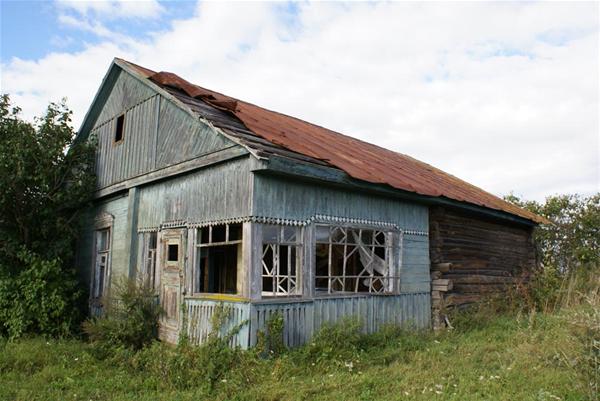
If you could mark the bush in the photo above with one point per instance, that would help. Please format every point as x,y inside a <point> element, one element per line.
<point>42,298</point>
<point>188,365</point>
<point>270,342</point>
<point>130,318</point>
<point>44,193</point>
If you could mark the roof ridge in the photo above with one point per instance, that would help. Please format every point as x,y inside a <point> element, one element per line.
<point>358,158</point>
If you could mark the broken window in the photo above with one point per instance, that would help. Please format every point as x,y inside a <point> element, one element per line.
<point>219,250</point>
<point>149,259</point>
<point>101,265</point>
<point>352,260</point>
<point>281,260</point>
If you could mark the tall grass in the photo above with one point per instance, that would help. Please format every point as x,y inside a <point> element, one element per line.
<point>517,350</point>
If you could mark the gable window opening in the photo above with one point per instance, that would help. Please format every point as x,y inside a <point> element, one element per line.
<point>353,260</point>
<point>101,266</point>
<point>219,251</point>
<point>120,129</point>
<point>281,260</point>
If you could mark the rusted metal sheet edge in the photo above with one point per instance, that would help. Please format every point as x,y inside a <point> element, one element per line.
<point>219,156</point>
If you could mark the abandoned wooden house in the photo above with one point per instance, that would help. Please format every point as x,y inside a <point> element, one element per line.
<point>214,200</point>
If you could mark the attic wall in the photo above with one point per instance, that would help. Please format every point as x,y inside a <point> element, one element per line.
<point>486,255</point>
<point>219,192</point>
<point>289,199</point>
<point>157,133</point>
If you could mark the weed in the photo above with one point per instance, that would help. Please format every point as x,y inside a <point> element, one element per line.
<point>130,319</point>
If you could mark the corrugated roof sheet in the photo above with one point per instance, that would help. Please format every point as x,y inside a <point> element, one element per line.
<point>359,159</point>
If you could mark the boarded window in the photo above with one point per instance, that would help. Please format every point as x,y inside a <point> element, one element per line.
<point>101,264</point>
<point>219,255</point>
<point>120,129</point>
<point>281,260</point>
<point>353,260</point>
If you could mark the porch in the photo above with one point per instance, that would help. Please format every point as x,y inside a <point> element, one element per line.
<point>303,318</point>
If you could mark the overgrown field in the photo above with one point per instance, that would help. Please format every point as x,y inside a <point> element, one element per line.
<point>534,356</point>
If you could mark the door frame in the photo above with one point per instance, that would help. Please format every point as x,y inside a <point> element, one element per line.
<point>169,329</point>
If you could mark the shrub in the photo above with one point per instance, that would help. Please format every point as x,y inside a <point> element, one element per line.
<point>42,298</point>
<point>188,365</point>
<point>130,318</point>
<point>270,342</point>
<point>44,193</point>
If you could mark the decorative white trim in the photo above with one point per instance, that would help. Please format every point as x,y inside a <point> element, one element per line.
<point>416,233</point>
<point>147,230</point>
<point>319,218</point>
<point>173,224</point>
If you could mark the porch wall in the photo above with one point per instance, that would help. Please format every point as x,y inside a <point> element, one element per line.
<point>302,319</point>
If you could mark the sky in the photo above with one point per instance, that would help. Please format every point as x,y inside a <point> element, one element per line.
<point>504,95</point>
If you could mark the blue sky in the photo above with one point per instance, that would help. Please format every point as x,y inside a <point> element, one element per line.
<point>36,25</point>
<point>502,94</point>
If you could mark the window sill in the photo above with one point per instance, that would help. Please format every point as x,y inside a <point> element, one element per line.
<point>217,297</point>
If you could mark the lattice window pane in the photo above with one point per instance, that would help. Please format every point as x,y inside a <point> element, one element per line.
<point>353,259</point>
<point>281,260</point>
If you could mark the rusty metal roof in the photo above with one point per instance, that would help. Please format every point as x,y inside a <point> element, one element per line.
<point>359,159</point>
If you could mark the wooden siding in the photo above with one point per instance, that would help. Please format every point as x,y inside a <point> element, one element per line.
<point>485,254</point>
<point>135,155</point>
<point>301,320</point>
<point>126,92</point>
<point>222,191</point>
<point>414,274</point>
<point>157,134</point>
<point>289,199</point>
<point>119,254</point>
<point>180,137</point>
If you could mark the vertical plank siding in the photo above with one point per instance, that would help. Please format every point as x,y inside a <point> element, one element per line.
<point>302,319</point>
<point>291,199</point>
<point>181,137</point>
<point>156,134</point>
<point>219,192</point>
<point>119,246</point>
<point>199,314</point>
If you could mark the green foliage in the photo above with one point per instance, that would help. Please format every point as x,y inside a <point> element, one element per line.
<point>189,366</point>
<point>39,298</point>
<point>130,319</point>
<point>337,343</point>
<point>270,342</point>
<point>573,240</point>
<point>533,357</point>
<point>45,178</point>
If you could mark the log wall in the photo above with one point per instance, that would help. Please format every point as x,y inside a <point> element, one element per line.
<point>473,257</point>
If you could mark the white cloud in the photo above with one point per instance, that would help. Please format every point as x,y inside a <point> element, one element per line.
<point>113,9</point>
<point>504,95</point>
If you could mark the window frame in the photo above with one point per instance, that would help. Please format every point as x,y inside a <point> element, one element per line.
<point>392,245</point>
<point>149,256</point>
<point>199,245</point>
<point>120,117</point>
<point>281,240</point>
<point>103,224</point>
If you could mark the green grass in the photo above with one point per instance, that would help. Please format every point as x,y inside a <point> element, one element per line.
<point>528,357</point>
